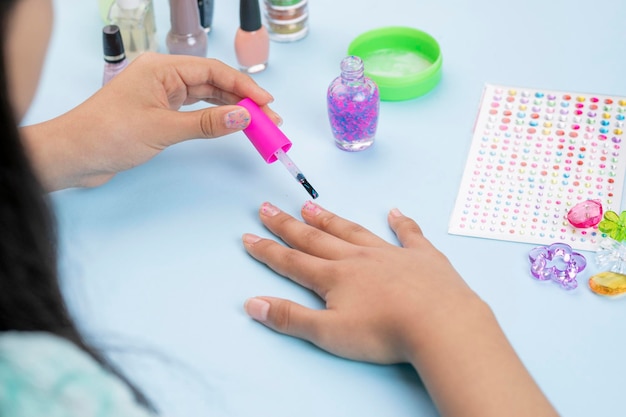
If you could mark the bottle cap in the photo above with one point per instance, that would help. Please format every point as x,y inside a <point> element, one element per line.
<point>112,44</point>
<point>404,62</point>
<point>205,7</point>
<point>249,15</point>
<point>128,4</point>
<point>266,137</point>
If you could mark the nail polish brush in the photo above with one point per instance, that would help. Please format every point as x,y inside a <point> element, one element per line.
<point>271,142</point>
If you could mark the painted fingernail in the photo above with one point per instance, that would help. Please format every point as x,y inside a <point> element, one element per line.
<point>395,212</point>
<point>237,119</point>
<point>269,210</point>
<point>250,238</point>
<point>257,308</point>
<point>312,208</point>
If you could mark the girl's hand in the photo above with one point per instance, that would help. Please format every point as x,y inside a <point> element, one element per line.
<point>135,116</point>
<point>381,299</point>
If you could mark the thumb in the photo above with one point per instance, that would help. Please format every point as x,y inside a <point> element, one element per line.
<point>284,316</point>
<point>211,122</point>
<point>222,120</point>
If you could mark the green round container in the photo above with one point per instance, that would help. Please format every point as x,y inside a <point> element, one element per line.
<point>404,62</point>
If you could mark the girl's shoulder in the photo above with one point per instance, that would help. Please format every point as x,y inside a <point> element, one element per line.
<point>45,375</point>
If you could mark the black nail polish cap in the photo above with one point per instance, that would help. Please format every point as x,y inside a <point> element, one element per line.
<point>249,15</point>
<point>112,44</point>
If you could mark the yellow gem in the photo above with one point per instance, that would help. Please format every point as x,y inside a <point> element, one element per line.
<point>608,283</point>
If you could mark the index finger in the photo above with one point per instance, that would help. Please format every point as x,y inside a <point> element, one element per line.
<point>304,237</point>
<point>210,79</point>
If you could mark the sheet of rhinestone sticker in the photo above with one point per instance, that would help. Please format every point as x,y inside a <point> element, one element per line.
<point>534,155</point>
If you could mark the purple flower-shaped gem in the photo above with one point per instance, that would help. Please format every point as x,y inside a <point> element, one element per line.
<point>557,262</point>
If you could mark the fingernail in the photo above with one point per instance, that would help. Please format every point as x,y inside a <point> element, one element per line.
<point>395,212</point>
<point>257,308</point>
<point>269,210</point>
<point>311,208</point>
<point>237,119</point>
<point>250,238</point>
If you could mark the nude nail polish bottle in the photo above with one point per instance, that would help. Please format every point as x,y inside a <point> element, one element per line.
<point>252,41</point>
<point>186,36</point>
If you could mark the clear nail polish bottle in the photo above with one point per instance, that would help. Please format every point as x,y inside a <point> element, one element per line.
<point>353,104</point>
<point>252,42</point>
<point>103,7</point>
<point>135,18</point>
<point>114,57</point>
<point>186,36</point>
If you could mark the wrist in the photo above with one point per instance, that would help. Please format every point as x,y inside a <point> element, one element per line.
<point>462,354</point>
<point>447,328</point>
<point>58,160</point>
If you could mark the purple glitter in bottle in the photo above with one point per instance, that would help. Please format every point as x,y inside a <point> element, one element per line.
<point>353,103</point>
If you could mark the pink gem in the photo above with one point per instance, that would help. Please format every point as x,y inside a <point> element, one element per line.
<point>585,214</point>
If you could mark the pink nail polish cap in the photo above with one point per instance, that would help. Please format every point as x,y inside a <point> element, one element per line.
<point>266,137</point>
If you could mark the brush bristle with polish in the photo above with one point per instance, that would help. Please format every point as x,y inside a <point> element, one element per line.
<point>307,186</point>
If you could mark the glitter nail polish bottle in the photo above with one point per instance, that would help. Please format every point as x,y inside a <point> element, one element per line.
<point>286,20</point>
<point>353,104</point>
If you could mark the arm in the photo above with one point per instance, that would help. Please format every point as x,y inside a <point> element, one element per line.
<point>388,304</point>
<point>135,116</point>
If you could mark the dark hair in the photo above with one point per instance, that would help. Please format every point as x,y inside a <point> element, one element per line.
<point>30,296</point>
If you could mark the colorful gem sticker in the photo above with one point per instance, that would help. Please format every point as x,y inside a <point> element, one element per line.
<point>535,155</point>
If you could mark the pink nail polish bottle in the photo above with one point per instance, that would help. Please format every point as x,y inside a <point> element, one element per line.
<point>252,41</point>
<point>114,57</point>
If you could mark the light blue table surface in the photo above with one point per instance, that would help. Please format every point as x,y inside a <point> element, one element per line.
<point>152,262</point>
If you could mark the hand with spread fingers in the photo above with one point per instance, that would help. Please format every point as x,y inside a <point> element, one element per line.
<point>390,304</point>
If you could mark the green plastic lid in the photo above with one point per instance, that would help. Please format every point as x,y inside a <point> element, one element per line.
<point>404,62</point>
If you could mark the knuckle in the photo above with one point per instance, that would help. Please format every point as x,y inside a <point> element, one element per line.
<point>355,229</point>
<point>411,226</point>
<point>290,258</point>
<point>337,269</point>
<point>312,235</point>
<point>327,221</point>
<point>334,222</point>
<point>207,124</point>
<point>281,316</point>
